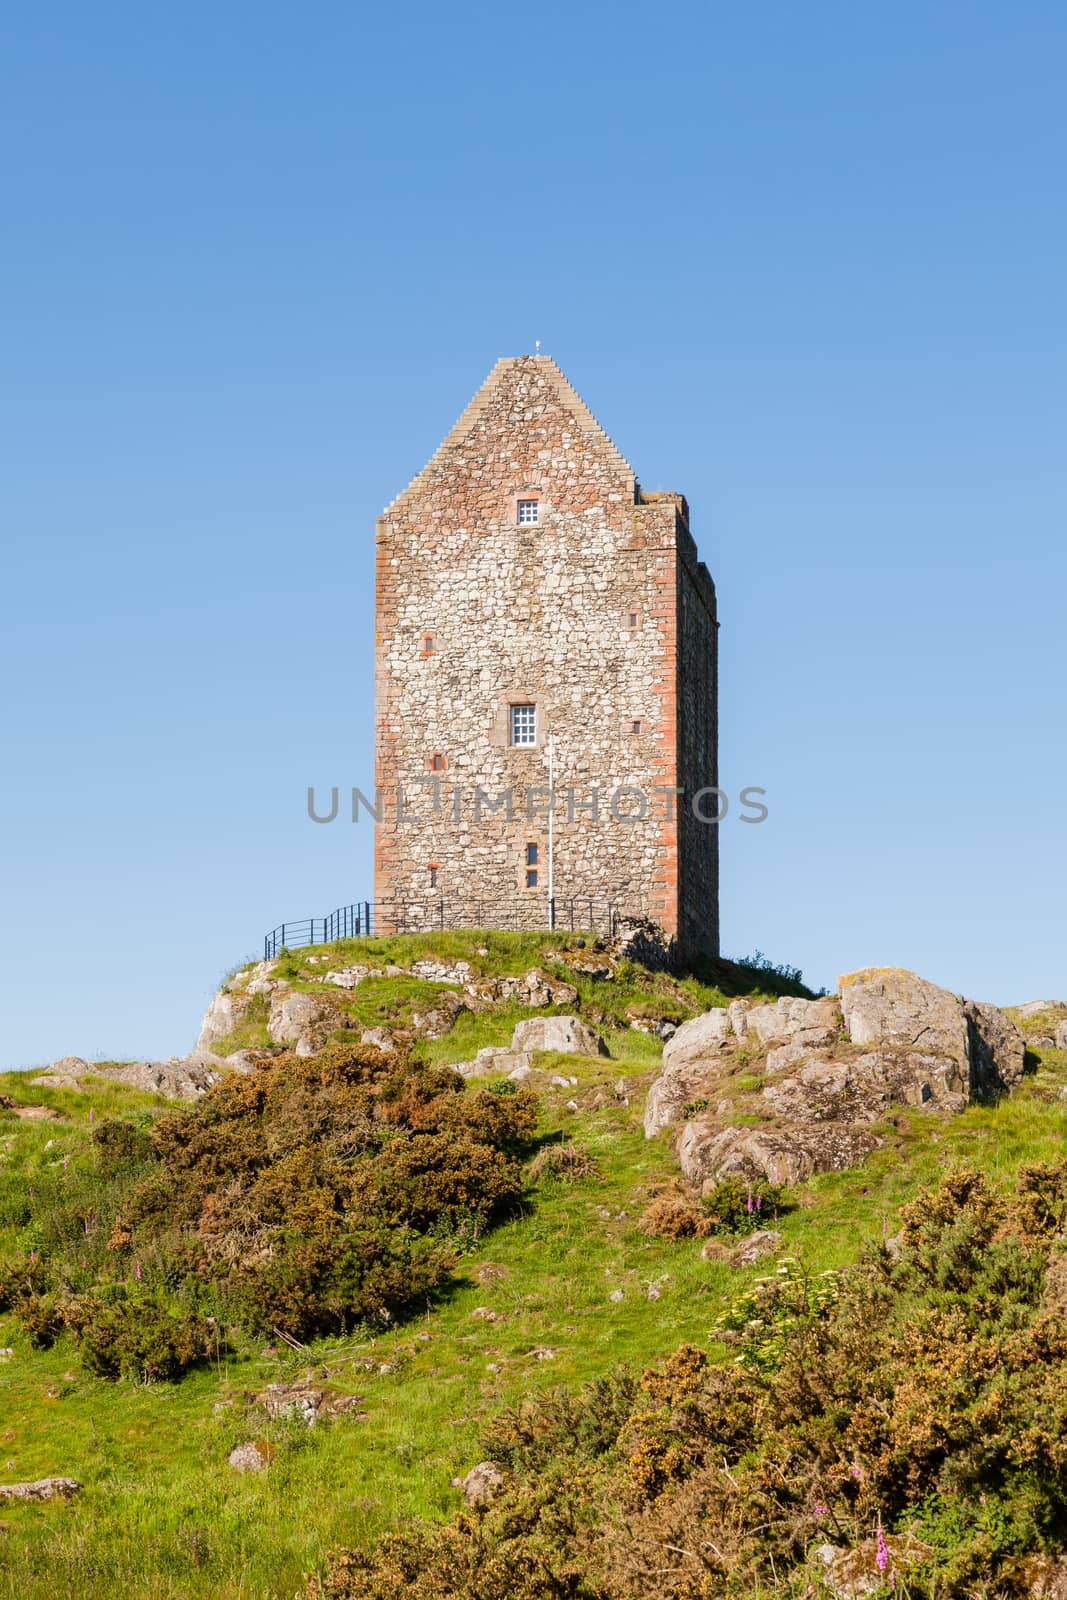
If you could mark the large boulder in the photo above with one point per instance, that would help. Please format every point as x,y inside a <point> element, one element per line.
<point>481,1482</point>
<point>791,1153</point>
<point>568,1035</point>
<point>891,1004</point>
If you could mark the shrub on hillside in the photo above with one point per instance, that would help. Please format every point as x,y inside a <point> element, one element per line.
<point>310,1196</point>
<point>137,1339</point>
<point>566,1163</point>
<point>121,1146</point>
<point>732,1206</point>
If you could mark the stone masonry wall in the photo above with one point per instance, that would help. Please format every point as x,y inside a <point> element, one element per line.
<point>591,616</point>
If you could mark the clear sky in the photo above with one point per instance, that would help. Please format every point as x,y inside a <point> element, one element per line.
<point>804,261</point>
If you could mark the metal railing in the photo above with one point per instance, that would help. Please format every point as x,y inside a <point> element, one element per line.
<point>347,922</point>
<point>433,914</point>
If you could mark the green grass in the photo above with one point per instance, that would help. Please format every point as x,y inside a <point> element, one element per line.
<point>162,1514</point>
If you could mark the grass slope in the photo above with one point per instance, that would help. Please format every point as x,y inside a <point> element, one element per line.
<point>162,1514</point>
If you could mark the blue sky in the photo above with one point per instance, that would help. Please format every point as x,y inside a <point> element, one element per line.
<point>804,262</point>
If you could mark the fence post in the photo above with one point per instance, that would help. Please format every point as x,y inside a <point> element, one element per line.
<point>552,913</point>
<point>366,918</point>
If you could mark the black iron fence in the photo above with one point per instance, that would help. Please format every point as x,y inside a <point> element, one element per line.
<point>432,914</point>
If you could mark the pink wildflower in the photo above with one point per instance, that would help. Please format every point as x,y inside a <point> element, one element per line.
<point>750,1202</point>
<point>881,1556</point>
<point>137,1271</point>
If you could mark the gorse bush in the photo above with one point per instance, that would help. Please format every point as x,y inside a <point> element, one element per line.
<point>313,1195</point>
<point>915,1405</point>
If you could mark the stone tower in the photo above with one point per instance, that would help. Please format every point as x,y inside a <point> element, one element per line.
<point>537,609</point>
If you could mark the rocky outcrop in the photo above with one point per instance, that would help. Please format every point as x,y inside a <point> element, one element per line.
<point>498,1061</point>
<point>305,1402</point>
<point>222,1017</point>
<point>566,1035</point>
<point>41,1489</point>
<point>300,1020</point>
<point>787,1090</point>
<point>181,1078</point>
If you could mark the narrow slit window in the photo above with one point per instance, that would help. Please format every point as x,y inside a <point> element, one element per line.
<point>524,725</point>
<point>437,763</point>
<point>433,877</point>
<point>531,877</point>
<point>633,619</point>
<point>635,726</point>
<point>527,513</point>
<point>532,855</point>
<point>429,644</point>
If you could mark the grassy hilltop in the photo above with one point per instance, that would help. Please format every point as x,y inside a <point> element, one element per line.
<point>439,1256</point>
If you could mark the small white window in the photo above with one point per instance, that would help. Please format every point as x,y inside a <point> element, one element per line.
<point>527,512</point>
<point>524,725</point>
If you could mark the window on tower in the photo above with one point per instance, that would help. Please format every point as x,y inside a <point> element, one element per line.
<point>527,513</point>
<point>524,725</point>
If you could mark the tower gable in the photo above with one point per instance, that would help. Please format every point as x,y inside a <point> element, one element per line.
<point>525,401</point>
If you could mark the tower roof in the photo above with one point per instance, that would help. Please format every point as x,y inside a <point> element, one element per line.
<point>508,381</point>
